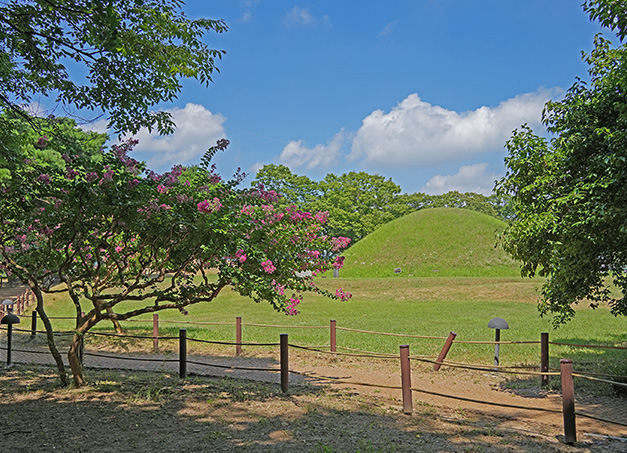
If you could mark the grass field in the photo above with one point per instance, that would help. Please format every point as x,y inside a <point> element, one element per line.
<point>441,242</point>
<point>413,306</point>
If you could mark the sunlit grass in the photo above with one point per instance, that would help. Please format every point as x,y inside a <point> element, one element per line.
<point>411,306</point>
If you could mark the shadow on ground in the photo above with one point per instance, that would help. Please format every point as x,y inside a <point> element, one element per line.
<point>123,411</point>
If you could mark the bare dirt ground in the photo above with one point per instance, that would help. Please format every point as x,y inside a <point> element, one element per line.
<point>124,410</point>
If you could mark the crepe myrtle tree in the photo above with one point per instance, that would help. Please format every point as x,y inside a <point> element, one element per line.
<point>106,231</point>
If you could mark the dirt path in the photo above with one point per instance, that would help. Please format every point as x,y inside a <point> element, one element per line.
<point>482,386</point>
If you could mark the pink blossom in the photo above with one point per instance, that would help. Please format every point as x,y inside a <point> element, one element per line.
<point>339,262</point>
<point>161,188</point>
<point>207,207</point>
<point>342,295</point>
<point>240,255</point>
<point>118,249</point>
<point>268,266</point>
<point>280,289</point>
<point>91,176</point>
<point>322,216</point>
<point>247,210</point>
<point>291,310</point>
<point>339,243</point>
<point>106,178</point>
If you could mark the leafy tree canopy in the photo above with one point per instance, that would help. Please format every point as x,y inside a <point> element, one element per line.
<point>110,231</point>
<point>121,57</point>
<point>569,193</point>
<point>358,202</point>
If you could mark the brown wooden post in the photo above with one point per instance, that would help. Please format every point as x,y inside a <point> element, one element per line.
<point>284,363</point>
<point>18,305</point>
<point>544,358</point>
<point>333,336</point>
<point>568,401</point>
<point>155,332</point>
<point>447,345</point>
<point>238,335</point>
<point>183,353</point>
<point>406,379</point>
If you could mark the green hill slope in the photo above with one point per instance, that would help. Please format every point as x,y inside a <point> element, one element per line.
<point>443,242</point>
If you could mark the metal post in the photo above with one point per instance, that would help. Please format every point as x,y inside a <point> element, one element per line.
<point>406,379</point>
<point>284,363</point>
<point>497,338</point>
<point>447,345</point>
<point>544,358</point>
<point>183,353</point>
<point>9,341</point>
<point>33,324</point>
<point>333,336</point>
<point>155,332</point>
<point>568,401</point>
<point>238,335</point>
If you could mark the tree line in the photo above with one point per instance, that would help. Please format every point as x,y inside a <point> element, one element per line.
<point>359,202</point>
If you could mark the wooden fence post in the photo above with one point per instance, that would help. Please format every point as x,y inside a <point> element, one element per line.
<point>447,345</point>
<point>238,335</point>
<point>284,363</point>
<point>544,358</point>
<point>406,379</point>
<point>183,353</point>
<point>333,336</point>
<point>33,324</point>
<point>568,401</point>
<point>155,332</point>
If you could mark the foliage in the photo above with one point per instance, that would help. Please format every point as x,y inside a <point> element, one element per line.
<point>569,193</point>
<point>358,203</point>
<point>111,232</point>
<point>119,57</point>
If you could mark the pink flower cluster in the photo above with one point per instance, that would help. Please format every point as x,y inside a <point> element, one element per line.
<point>338,263</point>
<point>342,295</point>
<point>280,289</point>
<point>291,310</point>
<point>322,216</point>
<point>207,207</point>
<point>339,243</point>
<point>268,266</point>
<point>240,256</point>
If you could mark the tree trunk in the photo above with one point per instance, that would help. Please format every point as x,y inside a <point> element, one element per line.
<point>75,359</point>
<point>50,337</point>
<point>116,323</point>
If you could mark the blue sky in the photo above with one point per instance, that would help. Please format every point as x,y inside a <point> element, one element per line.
<point>425,92</point>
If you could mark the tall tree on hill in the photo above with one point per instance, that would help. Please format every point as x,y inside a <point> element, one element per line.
<point>358,203</point>
<point>568,194</point>
<point>294,189</point>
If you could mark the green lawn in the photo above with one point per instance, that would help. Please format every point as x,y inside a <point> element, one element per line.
<point>414,306</point>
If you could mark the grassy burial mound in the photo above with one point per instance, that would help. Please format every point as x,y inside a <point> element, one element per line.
<point>443,242</point>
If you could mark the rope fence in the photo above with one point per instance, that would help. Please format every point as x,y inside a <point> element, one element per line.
<point>565,372</point>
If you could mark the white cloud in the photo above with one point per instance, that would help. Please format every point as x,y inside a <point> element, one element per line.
<point>297,155</point>
<point>299,16</point>
<point>418,133</point>
<point>254,168</point>
<point>197,129</point>
<point>469,178</point>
